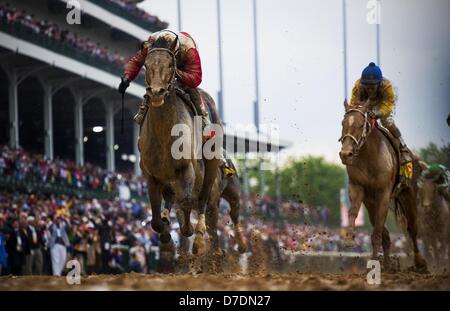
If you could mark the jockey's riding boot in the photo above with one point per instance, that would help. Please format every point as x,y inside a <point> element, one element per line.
<point>405,154</point>
<point>143,107</point>
<point>228,169</point>
<point>227,166</point>
<point>200,106</point>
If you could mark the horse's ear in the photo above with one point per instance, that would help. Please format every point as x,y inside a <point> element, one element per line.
<point>173,46</point>
<point>145,45</point>
<point>346,104</point>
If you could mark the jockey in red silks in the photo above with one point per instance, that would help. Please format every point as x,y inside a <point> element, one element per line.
<point>189,76</point>
<point>189,70</point>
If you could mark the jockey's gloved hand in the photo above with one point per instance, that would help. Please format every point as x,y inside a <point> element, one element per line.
<point>124,84</point>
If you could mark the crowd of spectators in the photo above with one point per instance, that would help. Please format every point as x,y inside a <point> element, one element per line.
<point>270,208</point>
<point>130,6</point>
<point>23,166</point>
<point>40,232</point>
<point>10,15</point>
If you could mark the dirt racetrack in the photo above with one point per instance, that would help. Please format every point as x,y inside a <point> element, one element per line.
<point>232,281</point>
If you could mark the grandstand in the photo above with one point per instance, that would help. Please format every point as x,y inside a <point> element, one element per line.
<point>58,81</point>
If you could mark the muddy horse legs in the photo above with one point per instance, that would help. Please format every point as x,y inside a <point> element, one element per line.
<point>160,226</point>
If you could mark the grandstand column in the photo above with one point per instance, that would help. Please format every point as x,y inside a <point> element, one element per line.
<point>245,177</point>
<point>137,168</point>
<point>79,153</point>
<point>262,179</point>
<point>13,110</point>
<point>48,121</point>
<point>110,163</point>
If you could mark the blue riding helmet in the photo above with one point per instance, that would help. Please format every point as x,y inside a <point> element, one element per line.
<point>371,74</point>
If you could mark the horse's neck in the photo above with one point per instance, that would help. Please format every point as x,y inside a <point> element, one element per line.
<point>162,119</point>
<point>375,150</point>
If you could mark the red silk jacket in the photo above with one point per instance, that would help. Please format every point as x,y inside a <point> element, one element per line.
<point>189,67</point>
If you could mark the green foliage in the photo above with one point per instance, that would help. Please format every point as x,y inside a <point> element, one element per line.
<point>434,154</point>
<point>310,180</point>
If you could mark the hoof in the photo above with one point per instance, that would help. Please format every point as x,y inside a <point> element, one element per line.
<point>187,230</point>
<point>420,264</point>
<point>165,237</point>
<point>199,245</point>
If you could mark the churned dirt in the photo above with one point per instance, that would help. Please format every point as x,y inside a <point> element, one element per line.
<point>232,281</point>
<point>223,272</point>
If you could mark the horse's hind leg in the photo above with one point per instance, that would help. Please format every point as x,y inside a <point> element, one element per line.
<point>385,238</point>
<point>386,243</point>
<point>231,194</point>
<point>379,220</point>
<point>409,208</point>
<point>212,216</point>
<point>211,167</point>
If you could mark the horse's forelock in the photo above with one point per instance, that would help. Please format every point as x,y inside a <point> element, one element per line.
<point>162,43</point>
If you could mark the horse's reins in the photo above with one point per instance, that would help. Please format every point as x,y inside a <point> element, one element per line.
<point>358,142</point>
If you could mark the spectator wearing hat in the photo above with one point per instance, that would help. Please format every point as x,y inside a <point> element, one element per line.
<point>59,241</point>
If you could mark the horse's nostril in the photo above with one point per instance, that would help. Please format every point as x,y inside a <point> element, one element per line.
<point>350,154</point>
<point>158,91</point>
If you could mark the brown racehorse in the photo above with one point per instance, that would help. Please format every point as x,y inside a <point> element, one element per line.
<point>189,178</point>
<point>372,166</point>
<point>434,221</point>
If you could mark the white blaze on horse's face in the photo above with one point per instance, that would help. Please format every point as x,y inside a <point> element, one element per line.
<point>158,74</point>
<point>352,135</point>
<point>351,120</point>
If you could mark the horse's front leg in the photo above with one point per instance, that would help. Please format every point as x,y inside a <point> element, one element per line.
<point>356,195</point>
<point>154,192</point>
<point>379,220</point>
<point>183,196</point>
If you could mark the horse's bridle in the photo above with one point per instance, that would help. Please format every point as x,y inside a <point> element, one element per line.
<point>174,71</point>
<point>358,143</point>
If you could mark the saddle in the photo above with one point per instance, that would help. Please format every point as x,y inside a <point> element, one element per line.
<point>394,143</point>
